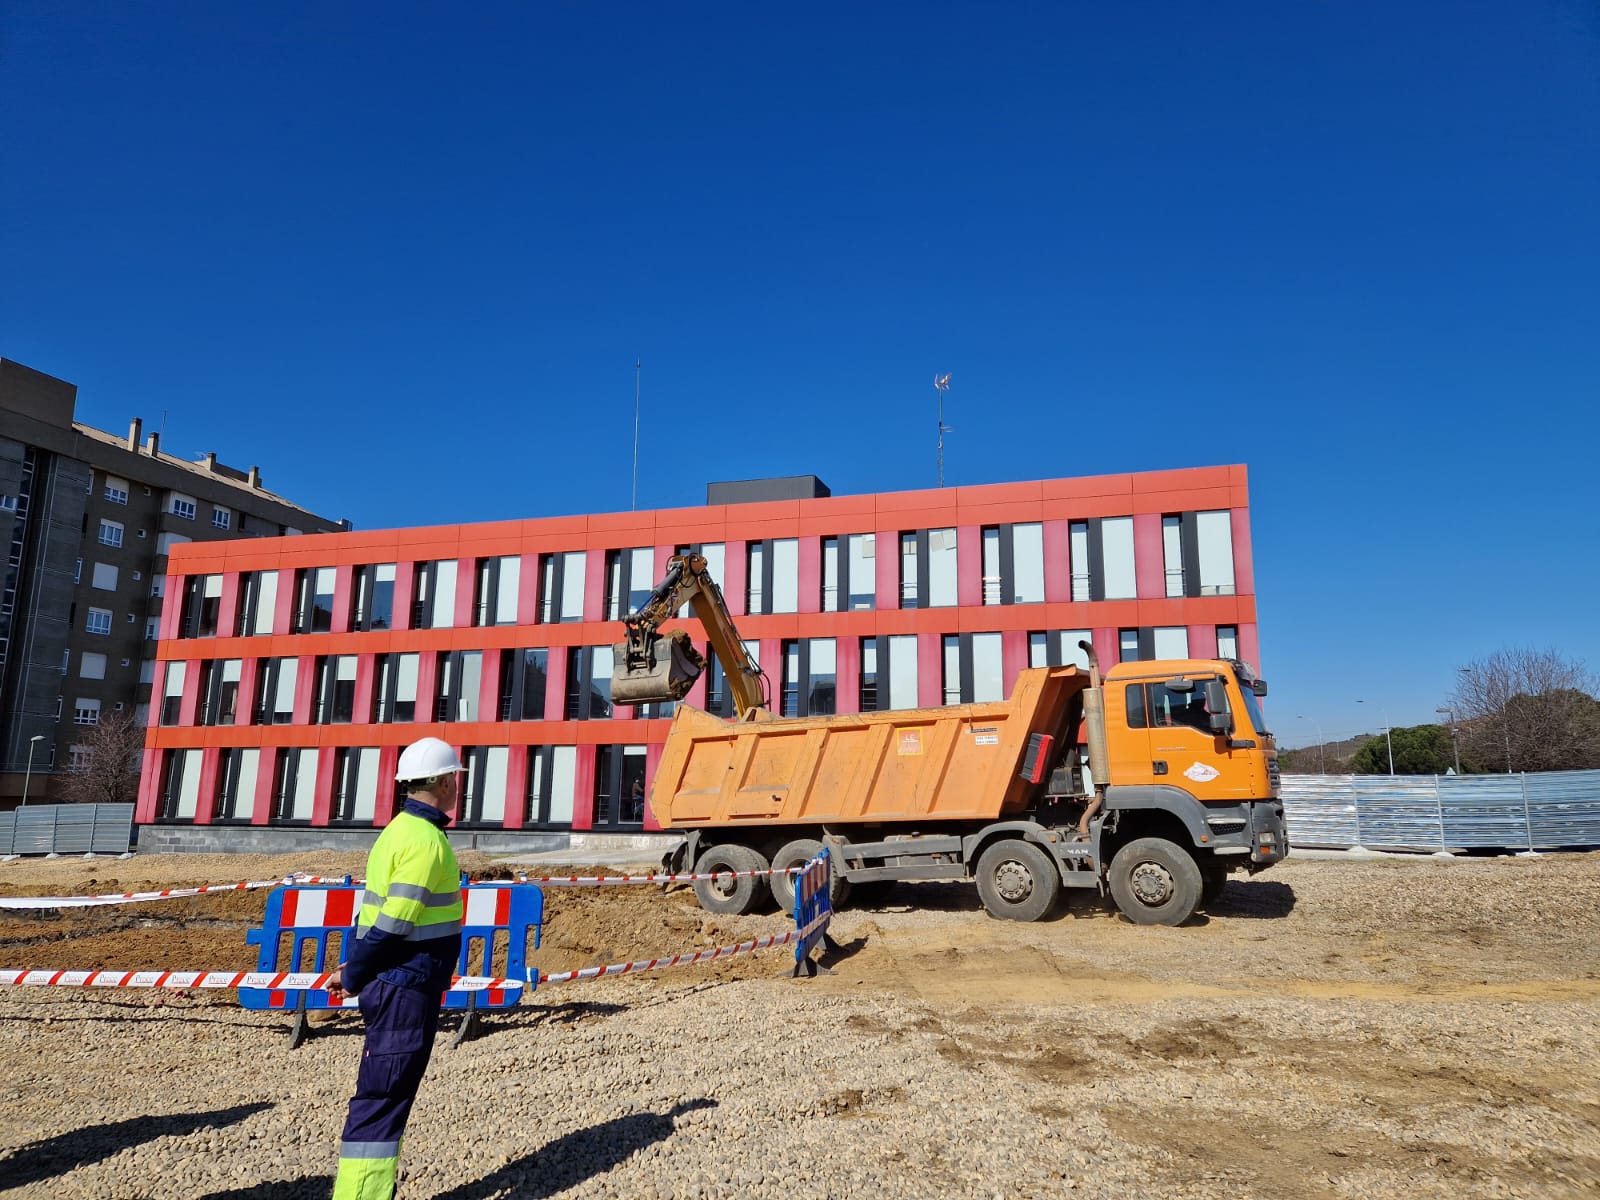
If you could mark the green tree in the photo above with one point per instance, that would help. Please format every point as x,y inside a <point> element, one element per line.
<point>1527,710</point>
<point>1418,750</point>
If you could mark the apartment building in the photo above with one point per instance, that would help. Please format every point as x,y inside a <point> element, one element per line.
<point>88,519</point>
<point>292,671</point>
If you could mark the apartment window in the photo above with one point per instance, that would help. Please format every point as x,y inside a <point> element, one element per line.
<point>77,570</point>
<point>928,568</point>
<point>158,585</point>
<point>1197,548</point>
<point>166,541</point>
<point>588,683</point>
<point>1172,553</point>
<point>394,698</point>
<point>294,784</point>
<point>99,621</point>
<point>172,693</point>
<point>561,587</point>
<point>1059,648</point>
<point>460,676</point>
<point>335,702</point>
<point>888,673</point>
<point>313,589</point>
<point>810,677</point>
<point>110,532</point>
<point>152,628</point>
<point>258,601</point>
<point>236,788</point>
<point>484,798</point>
<point>719,698</point>
<point>202,605</point>
<point>433,595</point>
<point>79,756</point>
<point>180,505</point>
<point>85,712</point>
<point>181,788</point>
<point>1228,641</point>
<point>1128,645</point>
<point>372,597</point>
<point>773,581</point>
<point>1013,564</point>
<point>219,691</point>
<point>523,675</point>
<point>1169,641</point>
<point>630,578</point>
<point>618,786</point>
<point>972,669</point>
<point>494,601</point>
<point>849,573</point>
<point>92,666</point>
<point>355,785</point>
<point>1102,559</point>
<point>221,518</point>
<point>552,785</point>
<point>715,554</point>
<point>275,688</point>
<point>116,490</point>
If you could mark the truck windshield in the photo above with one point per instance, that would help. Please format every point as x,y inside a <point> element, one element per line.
<point>1253,707</point>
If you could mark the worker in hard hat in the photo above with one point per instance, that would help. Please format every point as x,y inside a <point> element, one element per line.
<point>404,957</point>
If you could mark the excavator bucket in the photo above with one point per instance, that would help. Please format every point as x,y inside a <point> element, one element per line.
<point>665,668</point>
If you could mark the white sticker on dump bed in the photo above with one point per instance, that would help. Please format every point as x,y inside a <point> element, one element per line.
<point>987,739</point>
<point>1201,773</point>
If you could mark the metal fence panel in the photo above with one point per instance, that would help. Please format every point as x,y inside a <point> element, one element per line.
<point>67,829</point>
<point>8,824</point>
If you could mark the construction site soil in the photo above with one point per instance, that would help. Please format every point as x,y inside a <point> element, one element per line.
<point>1338,1028</point>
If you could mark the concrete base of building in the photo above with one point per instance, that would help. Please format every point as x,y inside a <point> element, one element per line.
<point>236,839</point>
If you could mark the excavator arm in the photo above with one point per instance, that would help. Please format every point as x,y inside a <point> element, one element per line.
<point>651,667</point>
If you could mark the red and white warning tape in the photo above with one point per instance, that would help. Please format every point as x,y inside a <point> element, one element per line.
<point>168,894</point>
<point>683,960</point>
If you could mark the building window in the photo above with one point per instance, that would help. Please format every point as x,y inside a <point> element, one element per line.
<point>110,532</point>
<point>972,668</point>
<point>180,505</point>
<point>258,601</point>
<point>335,702</point>
<point>1172,553</point>
<point>715,554</point>
<point>1059,648</point>
<point>181,787</point>
<point>166,541</point>
<point>1197,548</point>
<point>85,712</point>
<point>561,587</point>
<point>460,676</point>
<point>523,675</point>
<point>294,784</point>
<point>888,673</point>
<point>172,693</point>
<point>810,678</point>
<point>484,799</point>
<point>275,690</point>
<point>1169,641</point>
<point>588,683</point>
<point>552,785</point>
<point>313,590</point>
<point>618,786</point>
<point>116,490</point>
<point>849,573</point>
<point>1102,559</point>
<point>152,628</point>
<point>630,578</point>
<point>495,602</point>
<point>1013,564</point>
<point>202,605</point>
<point>928,568</point>
<point>1128,645</point>
<point>221,518</point>
<point>92,666</point>
<point>433,595</point>
<point>99,621</point>
<point>1228,641</point>
<point>355,785</point>
<point>394,699</point>
<point>719,699</point>
<point>773,579</point>
<point>236,789</point>
<point>104,577</point>
<point>372,597</point>
<point>219,691</point>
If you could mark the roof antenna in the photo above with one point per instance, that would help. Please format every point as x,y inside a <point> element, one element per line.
<point>941,384</point>
<point>638,369</point>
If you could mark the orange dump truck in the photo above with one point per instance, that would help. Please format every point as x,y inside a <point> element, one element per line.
<point>1153,785</point>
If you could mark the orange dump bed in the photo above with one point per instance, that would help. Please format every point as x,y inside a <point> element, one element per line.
<point>954,763</point>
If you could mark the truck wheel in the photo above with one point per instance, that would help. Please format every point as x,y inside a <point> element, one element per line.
<point>1155,882</point>
<point>729,897</point>
<point>1017,881</point>
<point>1212,881</point>
<point>795,854</point>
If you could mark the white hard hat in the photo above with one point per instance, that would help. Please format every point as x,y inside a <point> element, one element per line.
<point>426,759</point>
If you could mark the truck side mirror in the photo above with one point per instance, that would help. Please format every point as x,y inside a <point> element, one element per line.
<point>1217,704</point>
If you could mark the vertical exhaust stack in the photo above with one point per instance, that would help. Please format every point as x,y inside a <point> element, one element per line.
<point>152,445</point>
<point>135,432</point>
<point>1094,717</point>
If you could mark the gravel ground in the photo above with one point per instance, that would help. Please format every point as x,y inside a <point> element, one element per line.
<point>1332,1029</point>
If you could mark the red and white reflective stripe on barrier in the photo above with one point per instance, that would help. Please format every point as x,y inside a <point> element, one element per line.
<point>619,880</point>
<point>168,894</point>
<point>283,981</point>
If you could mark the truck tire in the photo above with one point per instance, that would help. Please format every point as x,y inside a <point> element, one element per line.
<point>798,853</point>
<point>1155,882</point>
<point>729,897</point>
<point>1017,881</point>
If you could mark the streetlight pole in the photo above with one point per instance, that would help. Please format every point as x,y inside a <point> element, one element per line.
<point>1454,745</point>
<point>28,777</point>
<point>1388,733</point>
<point>1321,741</point>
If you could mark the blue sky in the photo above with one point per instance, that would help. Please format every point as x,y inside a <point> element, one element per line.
<point>405,259</point>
